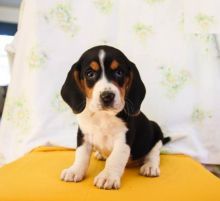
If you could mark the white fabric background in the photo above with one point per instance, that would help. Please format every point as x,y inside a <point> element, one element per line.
<point>177,57</point>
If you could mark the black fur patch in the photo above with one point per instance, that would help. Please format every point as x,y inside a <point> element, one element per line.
<point>79,137</point>
<point>142,134</point>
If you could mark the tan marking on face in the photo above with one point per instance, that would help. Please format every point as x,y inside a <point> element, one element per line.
<point>88,91</point>
<point>82,85</point>
<point>78,82</point>
<point>94,65</point>
<point>124,88</point>
<point>114,65</point>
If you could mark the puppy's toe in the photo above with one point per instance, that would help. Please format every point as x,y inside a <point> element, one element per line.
<point>107,181</point>
<point>99,156</point>
<point>72,174</point>
<point>149,170</point>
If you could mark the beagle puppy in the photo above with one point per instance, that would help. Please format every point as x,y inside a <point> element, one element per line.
<point>105,91</point>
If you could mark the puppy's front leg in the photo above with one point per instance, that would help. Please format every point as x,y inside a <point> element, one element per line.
<point>110,177</point>
<point>77,171</point>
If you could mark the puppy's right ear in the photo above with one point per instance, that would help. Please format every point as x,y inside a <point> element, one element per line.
<point>72,91</point>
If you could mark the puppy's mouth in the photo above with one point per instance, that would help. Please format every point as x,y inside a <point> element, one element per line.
<point>107,101</point>
<point>108,108</point>
<point>114,107</point>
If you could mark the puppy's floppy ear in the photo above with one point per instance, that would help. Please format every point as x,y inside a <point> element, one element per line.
<point>136,92</point>
<point>72,91</point>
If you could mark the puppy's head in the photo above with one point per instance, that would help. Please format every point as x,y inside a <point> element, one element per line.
<point>104,80</point>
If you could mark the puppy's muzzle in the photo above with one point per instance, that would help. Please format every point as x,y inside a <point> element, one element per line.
<point>107,98</point>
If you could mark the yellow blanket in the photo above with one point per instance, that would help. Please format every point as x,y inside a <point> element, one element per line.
<point>35,177</point>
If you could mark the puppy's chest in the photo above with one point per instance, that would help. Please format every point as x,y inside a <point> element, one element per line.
<point>102,130</point>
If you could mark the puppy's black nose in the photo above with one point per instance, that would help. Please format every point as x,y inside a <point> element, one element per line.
<point>107,98</point>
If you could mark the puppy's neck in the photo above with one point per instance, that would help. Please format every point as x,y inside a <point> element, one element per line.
<point>96,114</point>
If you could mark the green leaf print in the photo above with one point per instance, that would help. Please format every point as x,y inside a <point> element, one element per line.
<point>142,31</point>
<point>204,21</point>
<point>199,115</point>
<point>104,6</point>
<point>62,15</point>
<point>17,114</point>
<point>154,1</point>
<point>58,104</point>
<point>36,58</point>
<point>173,81</point>
<point>206,39</point>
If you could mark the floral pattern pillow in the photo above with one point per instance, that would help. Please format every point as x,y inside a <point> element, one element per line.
<point>175,45</point>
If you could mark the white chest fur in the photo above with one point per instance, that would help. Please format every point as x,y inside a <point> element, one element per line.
<point>102,130</point>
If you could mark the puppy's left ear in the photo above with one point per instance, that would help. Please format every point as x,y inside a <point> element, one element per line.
<point>136,92</point>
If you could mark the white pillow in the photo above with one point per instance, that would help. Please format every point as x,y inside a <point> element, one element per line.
<point>180,71</point>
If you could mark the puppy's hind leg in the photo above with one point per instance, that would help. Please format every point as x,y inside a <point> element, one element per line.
<point>151,167</point>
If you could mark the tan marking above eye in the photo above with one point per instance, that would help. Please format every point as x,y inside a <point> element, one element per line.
<point>114,65</point>
<point>94,65</point>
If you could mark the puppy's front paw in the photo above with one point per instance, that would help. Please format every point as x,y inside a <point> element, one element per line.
<point>150,170</point>
<point>72,174</point>
<point>107,180</point>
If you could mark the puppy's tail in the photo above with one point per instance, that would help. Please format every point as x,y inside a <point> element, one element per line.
<point>173,138</point>
<point>166,140</point>
<point>159,131</point>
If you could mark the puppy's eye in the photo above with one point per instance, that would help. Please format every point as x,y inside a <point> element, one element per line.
<point>119,73</point>
<point>90,74</point>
